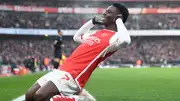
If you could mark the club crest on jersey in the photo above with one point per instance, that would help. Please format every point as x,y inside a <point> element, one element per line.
<point>104,34</point>
<point>92,39</point>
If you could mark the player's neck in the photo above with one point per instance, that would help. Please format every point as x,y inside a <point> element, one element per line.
<point>111,27</point>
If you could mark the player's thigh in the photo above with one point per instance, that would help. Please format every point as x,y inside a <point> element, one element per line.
<point>31,91</point>
<point>63,81</point>
<point>40,82</point>
<point>34,87</point>
<point>56,82</point>
<point>53,86</point>
<point>44,79</point>
<point>47,91</point>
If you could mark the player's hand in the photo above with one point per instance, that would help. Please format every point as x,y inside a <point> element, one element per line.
<point>118,16</point>
<point>97,21</point>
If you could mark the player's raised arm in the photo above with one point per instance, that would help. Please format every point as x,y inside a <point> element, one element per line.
<point>79,35</point>
<point>123,34</point>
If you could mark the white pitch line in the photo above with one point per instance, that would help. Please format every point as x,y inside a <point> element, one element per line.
<point>21,98</point>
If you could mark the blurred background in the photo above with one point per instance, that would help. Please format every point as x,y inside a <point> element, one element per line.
<point>28,29</point>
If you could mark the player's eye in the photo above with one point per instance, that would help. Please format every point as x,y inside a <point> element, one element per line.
<point>109,11</point>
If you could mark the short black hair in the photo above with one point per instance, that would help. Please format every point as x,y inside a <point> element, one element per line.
<point>124,11</point>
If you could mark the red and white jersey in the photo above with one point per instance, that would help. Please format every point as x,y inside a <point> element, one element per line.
<point>88,55</point>
<point>93,49</point>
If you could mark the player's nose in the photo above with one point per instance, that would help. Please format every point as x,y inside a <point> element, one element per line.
<point>104,14</point>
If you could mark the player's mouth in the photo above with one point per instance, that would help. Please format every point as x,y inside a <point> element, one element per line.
<point>103,18</point>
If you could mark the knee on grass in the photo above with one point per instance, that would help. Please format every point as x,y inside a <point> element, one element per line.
<point>38,96</point>
<point>29,96</point>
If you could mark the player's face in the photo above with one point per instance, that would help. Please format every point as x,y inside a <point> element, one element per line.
<point>109,15</point>
<point>60,33</point>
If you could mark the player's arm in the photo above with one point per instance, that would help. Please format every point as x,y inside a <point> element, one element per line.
<point>79,35</point>
<point>122,36</point>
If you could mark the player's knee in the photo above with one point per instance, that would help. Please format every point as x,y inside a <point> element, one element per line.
<point>39,96</point>
<point>29,96</point>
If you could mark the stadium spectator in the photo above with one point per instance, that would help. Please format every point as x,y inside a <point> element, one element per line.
<point>151,50</point>
<point>1,61</point>
<point>89,3</point>
<point>71,21</point>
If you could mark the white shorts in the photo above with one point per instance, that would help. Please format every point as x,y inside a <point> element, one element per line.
<point>63,81</point>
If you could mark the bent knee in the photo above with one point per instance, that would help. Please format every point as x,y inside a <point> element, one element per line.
<point>29,95</point>
<point>39,96</point>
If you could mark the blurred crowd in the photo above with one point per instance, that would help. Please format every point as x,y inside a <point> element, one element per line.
<point>88,3</point>
<point>37,20</point>
<point>17,50</point>
<point>155,21</point>
<point>31,52</point>
<point>150,50</point>
<point>42,21</point>
<point>75,21</point>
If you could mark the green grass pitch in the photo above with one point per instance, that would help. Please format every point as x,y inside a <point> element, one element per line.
<point>147,84</point>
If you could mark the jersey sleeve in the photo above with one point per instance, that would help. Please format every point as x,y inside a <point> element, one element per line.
<point>80,35</point>
<point>121,36</point>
